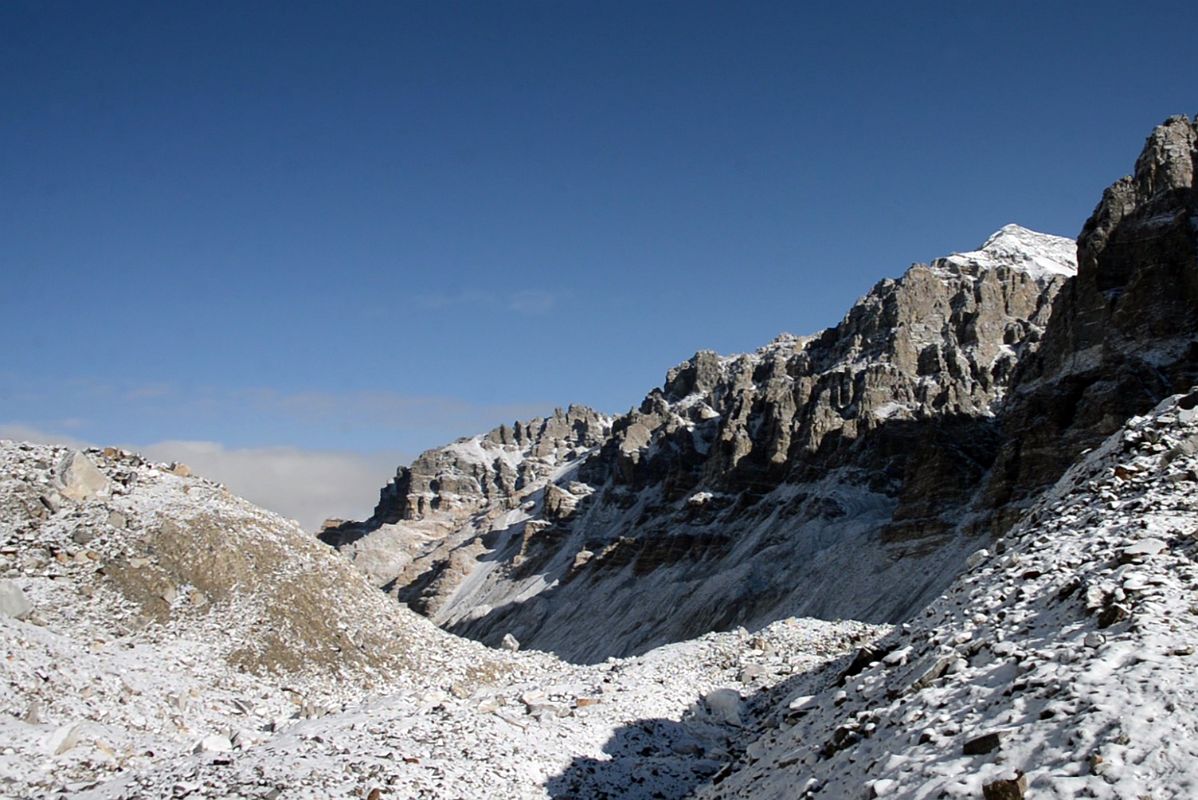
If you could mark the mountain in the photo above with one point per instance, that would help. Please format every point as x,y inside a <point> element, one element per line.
<point>163,638</point>
<point>828,475</point>
<point>1061,664</point>
<point>146,612</point>
<point>1124,333</point>
<point>1016,440</point>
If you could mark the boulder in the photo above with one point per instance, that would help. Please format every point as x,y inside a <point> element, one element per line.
<point>724,705</point>
<point>79,479</point>
<point>214,743</point>
<point>1006,788</point>
<point>65,737</point>
<point>13,602</point>
<point>980,745</point>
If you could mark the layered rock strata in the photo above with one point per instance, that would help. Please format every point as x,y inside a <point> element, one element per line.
<point>1124,333</point>
<point>744,489</point>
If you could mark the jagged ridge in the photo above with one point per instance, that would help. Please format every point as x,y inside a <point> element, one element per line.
<point>746,487</point>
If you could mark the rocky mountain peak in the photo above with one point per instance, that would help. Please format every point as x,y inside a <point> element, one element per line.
<point>868,436</point>
<point>1157,197</point>
<point>1168,159</point>
<point>475,471</point>
<point>1123,333</point>
<point>1015,247</point>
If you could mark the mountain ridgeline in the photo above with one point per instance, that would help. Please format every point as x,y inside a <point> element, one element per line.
<point>845,474</point>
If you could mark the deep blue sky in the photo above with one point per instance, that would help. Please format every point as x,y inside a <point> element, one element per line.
<point>369,226</point>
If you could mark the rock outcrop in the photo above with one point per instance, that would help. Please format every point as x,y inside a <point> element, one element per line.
<point>1123,334</point>
<point>876,453</point>
<point>745,489</point>
<point>421,540</point>
<point>1059,664</point>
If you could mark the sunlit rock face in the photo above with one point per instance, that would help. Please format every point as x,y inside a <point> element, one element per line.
<point>825,475</point>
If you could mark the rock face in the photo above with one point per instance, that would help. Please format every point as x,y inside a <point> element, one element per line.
<point>1046,691</point>
<point>491,470</point>
<point>420,541</point>
<point>1123,334</point>
<point>745,489</point>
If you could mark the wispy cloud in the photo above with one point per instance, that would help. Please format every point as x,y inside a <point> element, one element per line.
<point>532,302</point>
<point>524,301</point>
<point>389,410</point>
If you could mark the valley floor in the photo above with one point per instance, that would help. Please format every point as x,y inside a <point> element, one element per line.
<point>1059,664</point>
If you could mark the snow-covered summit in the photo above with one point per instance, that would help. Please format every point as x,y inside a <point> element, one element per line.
<point>1040,254</point>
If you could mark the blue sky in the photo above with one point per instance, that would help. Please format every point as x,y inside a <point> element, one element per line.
<point>365,229</point>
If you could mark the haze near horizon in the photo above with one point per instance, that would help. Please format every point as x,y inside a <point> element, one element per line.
<point>295,244</point>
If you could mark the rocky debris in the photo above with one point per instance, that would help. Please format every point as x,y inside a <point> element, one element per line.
<point>1121,336</point>
<point>745,489</point>
<point>145,615</point>
<point>13,602</point>
<point>1006,788</point>
<point>1043,695</point>
<point>169,666</point>
<point>78,479</point>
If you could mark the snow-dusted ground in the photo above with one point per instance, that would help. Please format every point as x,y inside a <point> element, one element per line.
<point>1065,656</point>
<point>635,728</point>
<point>138,654</point>
<point>1060,664</point>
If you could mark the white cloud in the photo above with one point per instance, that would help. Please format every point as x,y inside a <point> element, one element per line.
<point>27,433</point>
<point>306,485</point>
<point>532,302</point>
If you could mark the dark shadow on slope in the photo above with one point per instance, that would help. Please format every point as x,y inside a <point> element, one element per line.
<point>649,759</point>
<point>658,759</point>
<point>930,470</point>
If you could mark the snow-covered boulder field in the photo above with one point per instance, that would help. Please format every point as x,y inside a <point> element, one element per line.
<point>160,637</point>
<point>1060,665</point>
